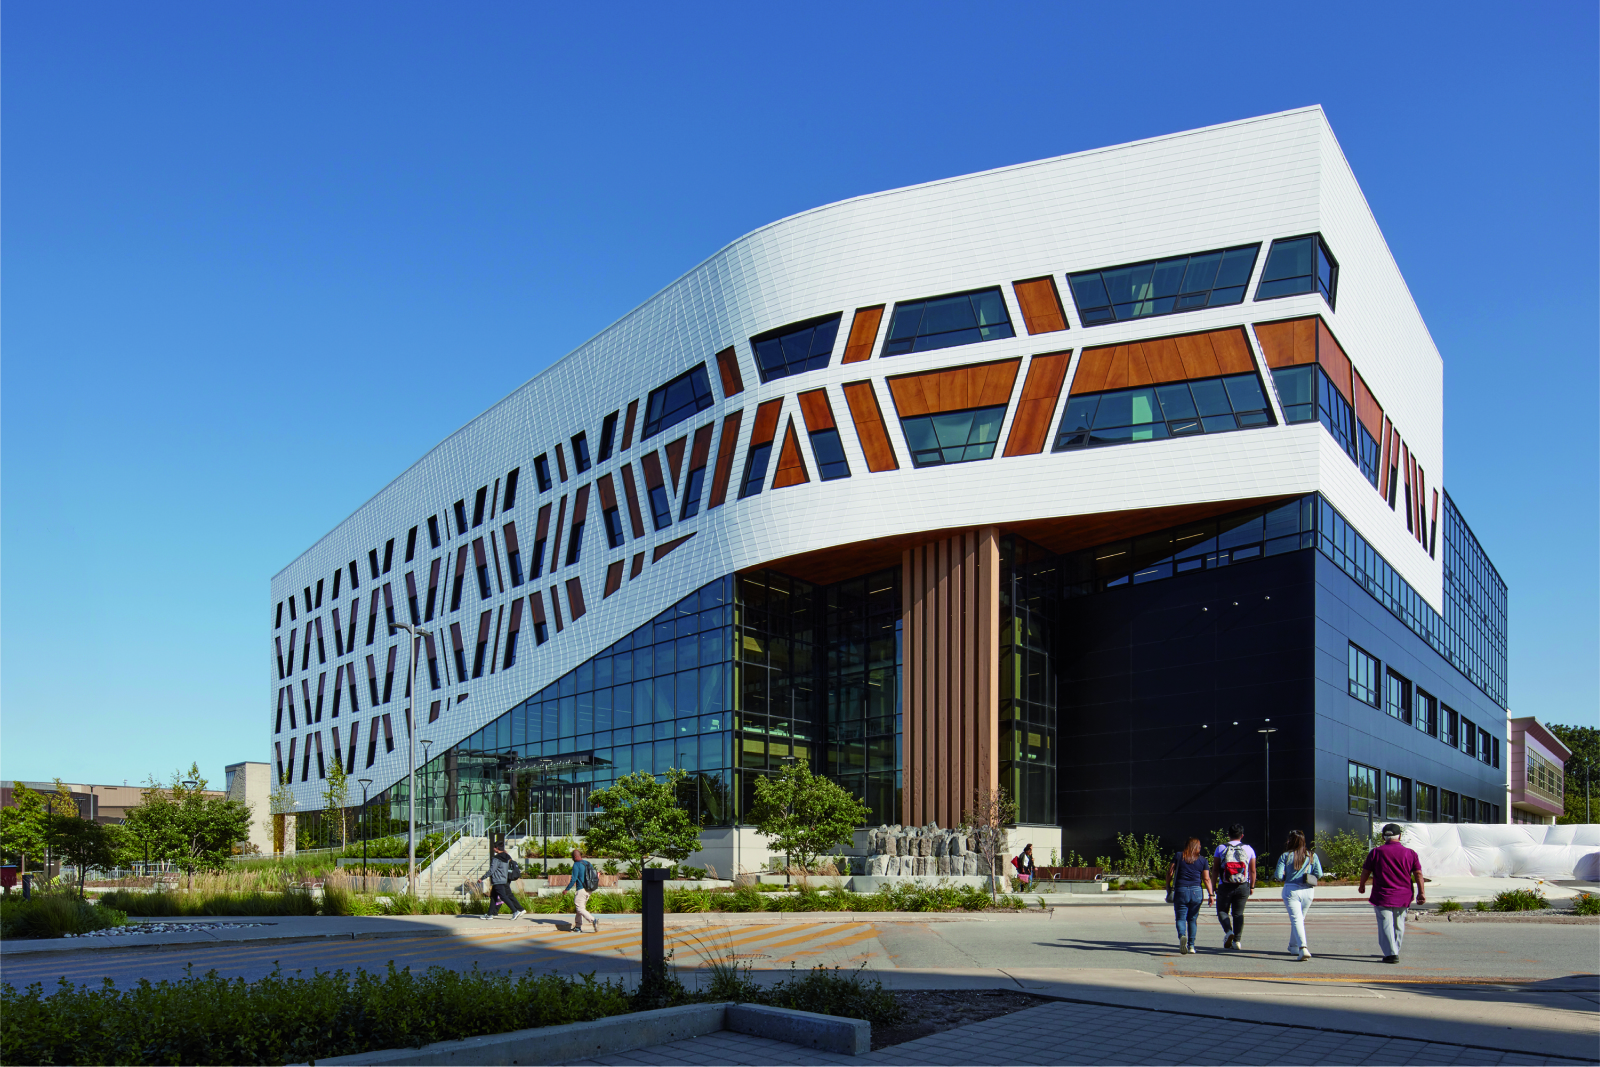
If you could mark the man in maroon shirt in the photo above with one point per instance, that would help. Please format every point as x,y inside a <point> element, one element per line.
<point>1393,869</point>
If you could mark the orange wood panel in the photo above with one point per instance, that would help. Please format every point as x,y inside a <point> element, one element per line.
<point>675,460</point>
<point>1433,525</point>
<point>1287,343</point>
<point>1368,410</point>
<point>1163,359</point>
<point>627,428</point>
<point>1041,305</point>
<point>725,449</point>
<point>765,426</point>
<point>632,492</point>
<point>1041,389</point>
<point>580,506</point>
<point>862,400</point>
<point>662,549</point>
<point>575,598</point>
<point>816,410</point>
<point>608,495</point>
<point>555,542</point>
<point>561,463</point>
<point>1334,361</point>
<point>975,386</point>
<point>1422,501</point>
<point>1410,480</point>
<point>613,579</point>
<point>651,462</point>
<point>536,606</point>
<point>544,524</point>
<point>637,567</point>
<point>701,450</point>
<point>791,465</point>
<point>728,369</point>
<point>863,333</point>
<point>555,607</point>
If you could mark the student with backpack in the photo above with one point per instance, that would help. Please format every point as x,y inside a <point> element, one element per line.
<point>503,870</point>
<point>1298,870</point>
<point>585,879</point>
<point>1235,867</point>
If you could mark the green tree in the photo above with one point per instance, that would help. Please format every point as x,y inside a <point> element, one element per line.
<point>1583,772</point>
<point>639,818</point>
<point>804,815</point>
<point>24,827</point>
<point>336,804</point>
<point>178,822</point>
<point>84,844</point>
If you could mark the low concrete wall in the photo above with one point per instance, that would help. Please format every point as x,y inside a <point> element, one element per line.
<point>871,883</point>
<point>619,1033</point>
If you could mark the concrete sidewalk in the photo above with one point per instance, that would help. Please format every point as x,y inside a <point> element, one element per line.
<point>1112,1016</point>
<point>274,928</point>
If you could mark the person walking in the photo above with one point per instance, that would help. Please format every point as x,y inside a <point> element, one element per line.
<point>1190,881</point>
<point>1298,870</point>
<point>1235,867</point>
<point>1024,865</point>
<point>1393,869</point>
<point>503,870</point>
<point>585,880</point>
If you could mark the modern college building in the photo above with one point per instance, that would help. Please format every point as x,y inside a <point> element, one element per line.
<point>1074,477</point>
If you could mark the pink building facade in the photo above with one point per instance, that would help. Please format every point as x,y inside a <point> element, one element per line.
<point>1538,772</point>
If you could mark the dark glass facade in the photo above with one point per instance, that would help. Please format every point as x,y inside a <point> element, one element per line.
<point>1030,609</point>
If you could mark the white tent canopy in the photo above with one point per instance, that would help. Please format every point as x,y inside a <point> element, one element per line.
<point>1506,851</point>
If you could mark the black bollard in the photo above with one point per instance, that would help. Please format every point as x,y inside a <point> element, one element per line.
<point>653,922</point>
<point>27,887</point>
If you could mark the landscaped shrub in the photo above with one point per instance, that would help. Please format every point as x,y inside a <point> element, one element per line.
<point>1449,905</point>
<point>286,1019</point>
<point>1586,904</point>
<point>1520,900</point>
<point>830,992</point>
<point>169,904</point>
<point>54,915</point>
<point>1342,853</point>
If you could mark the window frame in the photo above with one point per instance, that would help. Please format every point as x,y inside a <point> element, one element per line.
<point>914,452</point>
<point>1319,248</point>
<point>780,332</point>
<point>1100,272</point>
<point>1375,784</point>
<point>665,420</point>
<point>888,337</point>
<point>1351,680</point>
<point>1071,436</point>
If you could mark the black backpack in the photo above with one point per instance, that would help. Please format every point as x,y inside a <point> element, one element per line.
<point>591,877</point>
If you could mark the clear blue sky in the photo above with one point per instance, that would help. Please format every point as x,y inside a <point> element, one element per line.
<point>258,258</point>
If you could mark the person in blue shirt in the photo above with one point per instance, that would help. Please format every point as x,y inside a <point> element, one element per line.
<point>1191,882</point>
<point>583,875</point>
<point>1298,870</point>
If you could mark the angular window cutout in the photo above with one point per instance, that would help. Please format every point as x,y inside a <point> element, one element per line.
<point>411,598</point>
<point>513,553</point>
<point>728,370</point>
<point>725,449</point>
<point>319,588</point>
<point>372,741</point>
<point>461,517</point>
<point>279,623</point>
<point>580,452</point>
<point>433,590</point>
<point>541,632</point>
<point>947,321</point>
<point>337,573</point>
<point>953,436</point>
<point>510,500</point>
<point>613,518</point>
<point>829,450</point>
<point>481,565</point>
<point>627,424</point>
<point>460,651</point>
<point>512,633</point>
<point>388,555</point>
<point>411,553</point>
<point>561,463</point>
<point>1309,394</point>
<point>863,333</point>
<point>613,579</point>
<point>388,733</point>
<point>575,599</point>
<point>1163,286</point>
<point>862,399</point>
<point>796,348</point>
<point>679,399</point>
<point>608,437</point>
<point>791,464</point>
<point>372,562</point>
<point>433,533</point>
<point>483,643</point>
<point>1299,265</point>
<point>580,518</point>
<point>541,472</point>
<point>355,583</point>
<point>461,578</point>
<point>477,506</point>
<point>694,485</point>
<point>1179,409</point>
<point>755,470</point>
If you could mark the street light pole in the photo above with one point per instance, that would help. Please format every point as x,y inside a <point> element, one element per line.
<point>366,830</point>
<point>417,634</point>
<point>427,798</point>
<point>1266,735</point>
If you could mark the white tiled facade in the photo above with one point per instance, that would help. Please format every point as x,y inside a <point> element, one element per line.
<point>1245,182</point>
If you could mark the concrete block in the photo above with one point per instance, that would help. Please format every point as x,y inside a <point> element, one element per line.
<point>561,1044</point>
<point>830,1033</point>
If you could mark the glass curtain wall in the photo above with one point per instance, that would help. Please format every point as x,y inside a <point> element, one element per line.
<point>1030,596</point>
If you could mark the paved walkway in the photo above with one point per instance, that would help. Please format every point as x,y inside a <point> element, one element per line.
<point>1066,1033</point>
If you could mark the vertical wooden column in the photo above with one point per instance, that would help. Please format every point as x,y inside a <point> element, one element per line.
<point>950,697</point>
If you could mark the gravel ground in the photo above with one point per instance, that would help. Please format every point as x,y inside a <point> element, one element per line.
<point>164,928</point>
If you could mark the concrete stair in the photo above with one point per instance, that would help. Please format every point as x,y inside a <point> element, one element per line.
<point>455,872</point>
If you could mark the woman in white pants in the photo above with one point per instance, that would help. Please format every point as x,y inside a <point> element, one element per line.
<point>1298,870</point>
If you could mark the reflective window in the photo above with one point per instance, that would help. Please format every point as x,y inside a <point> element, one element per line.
<point>1299,265</point>
<point>1208,405</point>
<point>1397,697</point>
<point>679,399</point>
<point>1397,798</point>
<point>953,436</point>
<point>1306,393</point>
<point>755,470</point>
<point>947,321</point>
<point>829,450</point>
<point>660,507</point>
<point>1163,286</point>
<point>541,471</point>
<point>691,493</point>
<point>608,437</point>
<point>580,452</point>
<point>1363,682</point>
<point>1364,790</point>
<point>795,349</point>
